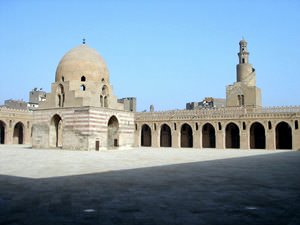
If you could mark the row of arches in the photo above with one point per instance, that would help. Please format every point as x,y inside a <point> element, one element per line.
<point>257,137</point>
<point>17,134</point>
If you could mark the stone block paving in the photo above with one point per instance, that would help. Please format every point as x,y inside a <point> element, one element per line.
<point>149,186</point>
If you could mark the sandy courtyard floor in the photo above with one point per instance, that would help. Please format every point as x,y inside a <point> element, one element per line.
<point>149,186</point>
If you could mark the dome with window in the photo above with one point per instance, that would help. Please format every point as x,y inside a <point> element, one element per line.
<point>82,63</point>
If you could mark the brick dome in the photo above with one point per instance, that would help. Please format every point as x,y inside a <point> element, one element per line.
<point>82,61</point>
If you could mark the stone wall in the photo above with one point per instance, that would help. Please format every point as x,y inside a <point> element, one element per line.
<point>83,128</point>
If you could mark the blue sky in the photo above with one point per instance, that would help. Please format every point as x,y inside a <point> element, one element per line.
<point>164,52</point>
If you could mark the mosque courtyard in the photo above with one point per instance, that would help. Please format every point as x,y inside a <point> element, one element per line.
<point>149,186</point>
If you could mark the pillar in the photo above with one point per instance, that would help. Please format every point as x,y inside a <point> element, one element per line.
<point>175,139</point>
<point>197,139</point>
<point>270,139</point>
<point>244,139</point>
<point>220,139</point>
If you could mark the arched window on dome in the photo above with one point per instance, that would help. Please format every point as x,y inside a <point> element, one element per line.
<point>83,79</point>
<point>82,87</point>
<point>105,101</point>
<point>104,90</point>
<point>101,101</point>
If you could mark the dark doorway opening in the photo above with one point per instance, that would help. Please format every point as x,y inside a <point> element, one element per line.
<point>165,136</point>
<point>232,136</point>
<point>113,132</point>
<point>146,136</point>
<point>208,136</point>
<point>2,132</point>
<point>97,145</point>
<point>18,134</point>
<point>186,137</point>
<point>56,131</point>
<point>283,136</point>
<point>257,136</point>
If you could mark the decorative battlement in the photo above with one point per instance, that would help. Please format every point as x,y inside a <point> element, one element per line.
<point>230,112</point>
<point>4,109</point>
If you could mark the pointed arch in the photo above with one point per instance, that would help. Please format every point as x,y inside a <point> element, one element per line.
<point>146,136</point>
<point>208,136</point>
<point>101,101</point>
<point>283,136</point>
<point>56,132</point>
<point>83,79</point>
<point>165,136</point>
<point>2,132</point>
<point>186,136</point>
<point>257,136</point>
<point>113,132</point>
<point>232,136</point>
<point>18,133</point>
<point>82,87</point>
<point>60,96</point>
<point>104,90</point>
<point>106,101</point>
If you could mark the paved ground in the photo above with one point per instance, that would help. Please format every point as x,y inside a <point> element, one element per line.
<point>149,186</point>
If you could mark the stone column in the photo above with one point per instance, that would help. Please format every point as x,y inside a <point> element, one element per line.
<point>138,136</point>
<point>270,139</point>
<point>220,139</point>
<point>175,139</point>
<point>244,140</point>
<point>197,139</point>
<point>296,139</point>
<point>155,137</point>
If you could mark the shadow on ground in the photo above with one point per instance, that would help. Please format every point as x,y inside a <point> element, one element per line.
<point>262,189</point>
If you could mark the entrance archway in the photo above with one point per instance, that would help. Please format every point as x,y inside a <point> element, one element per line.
<point>18,133</point>
<point>56,131</point>
<point>257,136</point>
<point>232,136</point>
<point>113,132</point>
<point>208,136</point>
<point>2,132</point>
<point>146,136</point>
<point>186,137</point>
<point>283,136</point>
<point>165,136</point>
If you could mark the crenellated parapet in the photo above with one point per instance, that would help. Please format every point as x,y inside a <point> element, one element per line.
<point>9,110</point>
<point>220,113</point>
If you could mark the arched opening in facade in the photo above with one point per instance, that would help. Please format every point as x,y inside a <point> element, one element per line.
<point>101,101</point>
<point>104,90</point>
<point>105,102</point>
<point>82,87</point>
<point>60,96</point>
<point>2,132</point>
<point>18,133</point>
<point>56,132</point>
<point>283,136</point>
<point>83,79</point>
<point>257,136</point>
<point>113,132</point>
<point>146,136</point>
<point>165,136</point>
<point>186,136</point>
<point>208,136</point>
<point>232,138</point>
